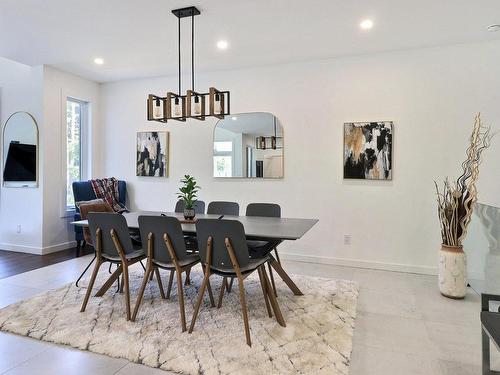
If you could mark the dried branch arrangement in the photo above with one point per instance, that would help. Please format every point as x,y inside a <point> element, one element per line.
<point>456,200</point>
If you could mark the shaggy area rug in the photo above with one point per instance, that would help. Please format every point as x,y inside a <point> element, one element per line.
<point>317,338</point>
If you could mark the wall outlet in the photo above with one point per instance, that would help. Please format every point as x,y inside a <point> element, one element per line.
<point>18,229</point>
<point>347,239</point>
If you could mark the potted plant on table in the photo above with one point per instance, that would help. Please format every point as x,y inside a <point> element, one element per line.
<point>455,205</point>
<point>188,196</point>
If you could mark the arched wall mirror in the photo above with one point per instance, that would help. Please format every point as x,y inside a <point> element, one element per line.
<point>20,151</point>
<point>248,145</point>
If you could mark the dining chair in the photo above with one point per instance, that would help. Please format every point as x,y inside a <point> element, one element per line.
<point>223,208</point>
<point>87,238</point>
<point>191,243</point>
<point>224,252</point>
<point>165,250</point>
<point>260,248</point>
<point>112,243</point>
<point>199,206</point>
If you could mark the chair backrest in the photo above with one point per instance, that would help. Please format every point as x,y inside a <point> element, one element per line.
<point>158,226</point>
<point>199,206</point>
<point>84,214</point>
<point>264,209</point>
<point>107,221</point>
<point>82,191</point>
<point>219,230</point>
<point>223,208</point>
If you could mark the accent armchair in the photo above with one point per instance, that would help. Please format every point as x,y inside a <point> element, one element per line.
<point>82,191</point>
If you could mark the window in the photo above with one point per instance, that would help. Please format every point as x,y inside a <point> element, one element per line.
<point>223,159</point>
<point>76,119</point>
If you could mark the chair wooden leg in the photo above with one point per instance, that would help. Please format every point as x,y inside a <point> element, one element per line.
<point>141,293</point>
<point>180,293</point>
<point>221,294</point>
<point>272,279</point>
<point>198,303</point>
<point>244,310</point>
<point>210,294</point>
<point>126,290</point>
<point>209,287</point>
<point>170,281</point>
<point>273,300</point>
<point>160,285</point>
<point>188,278</point>
<point>91,284</point>
<point>264,292</point>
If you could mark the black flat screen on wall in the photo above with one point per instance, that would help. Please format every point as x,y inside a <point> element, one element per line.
<point>21,163</point>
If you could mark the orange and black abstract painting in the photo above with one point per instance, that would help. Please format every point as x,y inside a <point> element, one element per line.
<point>368,150</point>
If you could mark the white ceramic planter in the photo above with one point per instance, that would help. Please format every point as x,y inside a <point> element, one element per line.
<point>452,272</point>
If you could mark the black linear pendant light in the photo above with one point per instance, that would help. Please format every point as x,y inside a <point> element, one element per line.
<point>175,106</point>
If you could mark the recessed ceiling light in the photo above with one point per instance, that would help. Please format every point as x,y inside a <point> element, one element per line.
<point>222,44</point>
<point>98,61</point>
<point>493,28</point>
<point>366,24</point>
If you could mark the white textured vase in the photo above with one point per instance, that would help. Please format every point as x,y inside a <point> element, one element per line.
<point>452,271</point>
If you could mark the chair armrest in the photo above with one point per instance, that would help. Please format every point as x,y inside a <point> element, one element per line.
<point>486,299</point>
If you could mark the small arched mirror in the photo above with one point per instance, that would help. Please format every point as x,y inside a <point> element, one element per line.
<point>20,151</point>
<point>248,145</point>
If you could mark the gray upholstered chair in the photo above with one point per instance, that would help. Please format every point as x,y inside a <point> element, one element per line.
<point>166,250</point>
<point>223,208</point>
<point>224,251</point>
<point>261,248</point>
<point>112,243</point>
<point>191,243</point>
<point>199,206</point>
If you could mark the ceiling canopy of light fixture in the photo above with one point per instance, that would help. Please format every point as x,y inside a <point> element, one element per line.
<point>175,106</point>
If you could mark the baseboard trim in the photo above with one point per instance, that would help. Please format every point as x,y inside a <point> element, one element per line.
<point>397,267</point>
<point>36,249</point>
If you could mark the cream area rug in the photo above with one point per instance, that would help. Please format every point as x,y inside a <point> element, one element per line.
<point>317,338</point>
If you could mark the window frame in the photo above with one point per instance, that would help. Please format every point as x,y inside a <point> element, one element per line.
<point>85,125</point>
<point>224,153</point>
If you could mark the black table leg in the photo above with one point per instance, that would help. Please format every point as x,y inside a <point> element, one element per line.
<point>86,269</point>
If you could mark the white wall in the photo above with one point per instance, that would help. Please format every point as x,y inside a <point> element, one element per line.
<point>58,86</point>
<point>21,90</point>
<point>431,95</point>
<point>42,91</point>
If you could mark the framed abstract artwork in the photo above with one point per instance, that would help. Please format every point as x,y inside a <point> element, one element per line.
<point>152,154</point>
<point>368,150</point>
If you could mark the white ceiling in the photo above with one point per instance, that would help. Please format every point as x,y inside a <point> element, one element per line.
<point>137,38</point>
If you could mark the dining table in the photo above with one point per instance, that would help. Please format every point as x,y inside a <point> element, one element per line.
<point>257,228</point>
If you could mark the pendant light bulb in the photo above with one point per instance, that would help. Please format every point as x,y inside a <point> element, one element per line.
<point>197,105</point>
<point>158,113</point>
<point>177,108</point>
<point>217,106</point>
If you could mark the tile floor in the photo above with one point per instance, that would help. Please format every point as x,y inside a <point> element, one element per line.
<point>403,326</point>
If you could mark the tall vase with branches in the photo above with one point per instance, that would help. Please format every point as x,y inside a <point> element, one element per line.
<point>455,206</point>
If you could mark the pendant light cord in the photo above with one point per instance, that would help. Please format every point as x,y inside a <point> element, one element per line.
<point>179,40</point>
<point>192,52</point>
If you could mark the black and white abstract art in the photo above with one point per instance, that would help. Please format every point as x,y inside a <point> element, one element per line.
<point>368,150</point>
<point>152,154</point>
